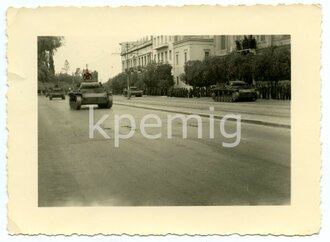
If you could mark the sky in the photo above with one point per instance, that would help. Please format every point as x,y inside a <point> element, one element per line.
<point>101,53</point>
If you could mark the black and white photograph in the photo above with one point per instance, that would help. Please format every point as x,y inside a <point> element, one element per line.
<point>164,120</point>
<point>154,121</point>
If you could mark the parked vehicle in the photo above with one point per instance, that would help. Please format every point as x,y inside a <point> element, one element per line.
<point>133,91</point>
<point>233,92</point>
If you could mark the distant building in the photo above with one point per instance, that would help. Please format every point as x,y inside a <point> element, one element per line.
<point>176,50</point>
<point>163,48</point>
<point>189,47</point>
<point>136,54</point>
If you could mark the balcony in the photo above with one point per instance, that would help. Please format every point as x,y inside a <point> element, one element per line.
<point>161,46</point>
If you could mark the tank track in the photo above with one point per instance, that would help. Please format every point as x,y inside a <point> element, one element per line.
<point>223,96</point>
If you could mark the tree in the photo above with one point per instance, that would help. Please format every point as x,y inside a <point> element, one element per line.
<point>47,45</point>
<point>274,64</point>
<point>193,73</point>
<point>150,77</point>
<point>117,83</point>
<point>165,77</point>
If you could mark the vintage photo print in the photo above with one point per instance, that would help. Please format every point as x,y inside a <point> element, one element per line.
<point>160,123</point>
<point>227,141</point>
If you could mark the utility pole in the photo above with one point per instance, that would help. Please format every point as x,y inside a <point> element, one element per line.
<point>127,73</point>
<point>127,70</point>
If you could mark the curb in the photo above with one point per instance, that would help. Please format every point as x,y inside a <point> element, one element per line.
<point>248,121</point>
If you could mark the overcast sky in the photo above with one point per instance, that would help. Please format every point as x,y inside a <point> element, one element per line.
<point>101,53</point>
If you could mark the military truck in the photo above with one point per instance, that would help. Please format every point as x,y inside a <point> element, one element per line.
<point>233,92</point>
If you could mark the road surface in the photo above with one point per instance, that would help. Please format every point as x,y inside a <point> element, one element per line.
<point>74,170</point>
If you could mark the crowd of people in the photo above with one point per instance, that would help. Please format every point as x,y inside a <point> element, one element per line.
<point>272,90</point>
<point>189,92</point>
<point>266,90</point>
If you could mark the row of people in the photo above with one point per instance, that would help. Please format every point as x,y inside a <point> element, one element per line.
<point>266,90</point>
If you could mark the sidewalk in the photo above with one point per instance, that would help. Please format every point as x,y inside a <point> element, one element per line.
<point>262,112</point>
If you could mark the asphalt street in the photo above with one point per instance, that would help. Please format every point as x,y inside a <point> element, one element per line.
<point>74,170</point>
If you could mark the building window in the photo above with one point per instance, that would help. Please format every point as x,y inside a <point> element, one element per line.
<point>177,81</point>
<point>165,55</point>
<point>155,57</point>
<point>222,42</point>
<point>162,55</point>
<point>158,40</point>
<point>177,59</point>
<point>158,55</point>
<point>165,38</point>
<point>170,55</point>
<point>207,54</point>
<point>185,57</point>
<point>162,39</point>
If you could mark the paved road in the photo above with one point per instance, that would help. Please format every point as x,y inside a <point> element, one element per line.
<point>267,112</point>
<point>74,170</point>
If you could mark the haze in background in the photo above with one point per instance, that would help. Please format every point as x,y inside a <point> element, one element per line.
<point>101,53</point>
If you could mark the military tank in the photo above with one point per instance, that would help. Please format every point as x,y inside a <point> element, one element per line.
<point>233,92</point>
<point>90,91</point>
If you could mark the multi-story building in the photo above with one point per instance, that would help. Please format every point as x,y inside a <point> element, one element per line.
<point>163,48</point>
<point>225,44</point>
<point>186,48</point>
<point>136,54</point>
<point>176,50</point>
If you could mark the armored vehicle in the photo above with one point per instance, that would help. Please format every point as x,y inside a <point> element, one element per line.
<point>56,92</point>
<point>233,92</point>
<point>133,91</point>
<point>90,93</point>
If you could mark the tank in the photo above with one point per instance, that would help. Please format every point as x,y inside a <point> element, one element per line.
<point>56,92</point>
<point>233,92</point>
<point>90,93</point>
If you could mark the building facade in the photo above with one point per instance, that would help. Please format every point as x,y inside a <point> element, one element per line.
<point>188,48</point>
<point>162,46</point>
<point>136,54</point>
<point>176,50</point>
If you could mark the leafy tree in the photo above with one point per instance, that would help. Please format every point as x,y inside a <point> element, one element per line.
<point>117,83</point>
<point>47,45</point>
<point>150,77</point>
<point>154,79</point>
<point>165,76</point>
<point>193,73</point>
<point>274,64</point>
